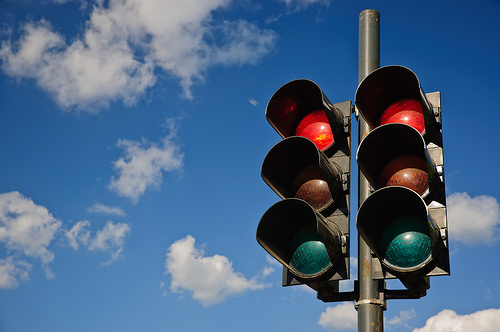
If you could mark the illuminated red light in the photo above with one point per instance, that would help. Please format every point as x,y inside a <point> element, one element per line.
<point>316,127</point>
<point>312,187</point>
<point>406,171</point>
<point>407,111</point>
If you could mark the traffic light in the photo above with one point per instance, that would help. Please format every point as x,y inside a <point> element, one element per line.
<point>404,220</point>
<point>308,231</point>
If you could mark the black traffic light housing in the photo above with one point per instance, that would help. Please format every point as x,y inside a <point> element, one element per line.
<point>308,231</point>
<point>402,159</point>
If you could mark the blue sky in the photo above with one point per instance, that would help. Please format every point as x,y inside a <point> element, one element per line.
<point>132,134</point>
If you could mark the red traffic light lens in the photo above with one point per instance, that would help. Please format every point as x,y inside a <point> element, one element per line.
<point>407,111</point>
<point>312,187</point>
<point>406,171</point>
<point>316,127</point>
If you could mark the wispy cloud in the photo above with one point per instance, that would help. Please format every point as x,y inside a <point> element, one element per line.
<point>124,43</point>
<point>402,319</point>
<point>12,271</point>
<point>104,209</point>
<point>303,4</point>
<point>110,239</point>
<point>185,264</point>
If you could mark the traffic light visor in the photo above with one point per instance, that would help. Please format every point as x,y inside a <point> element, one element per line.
<point>300,239</point>
<point>294,167</point>
<point>396,155</point>
<point>300,108</point>
<point>395,224</point>
<point>392,94</point>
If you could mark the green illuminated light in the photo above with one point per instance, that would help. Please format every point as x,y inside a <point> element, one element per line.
<point>309,255</point>
<point>406,242</point>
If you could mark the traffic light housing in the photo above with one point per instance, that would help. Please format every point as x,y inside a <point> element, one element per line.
<point>404,220</point>
<point>308,231</point>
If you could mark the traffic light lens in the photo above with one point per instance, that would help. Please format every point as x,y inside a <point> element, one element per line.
<point>311,187</point>
<point>316,127</point>
<point>407,111</point>
<point>408,171</point>
<point>309,255</point>
<point>406,242</point>
<point>316,193</point>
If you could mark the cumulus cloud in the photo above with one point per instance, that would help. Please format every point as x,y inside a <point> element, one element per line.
<point>143,164</point>
<point>210,279</point>
<point>341,317</point>
<point>25,229</point>
<point>124,43</point>
<point>473,220</point>
<point>448,320</point>
<point>109,239</point>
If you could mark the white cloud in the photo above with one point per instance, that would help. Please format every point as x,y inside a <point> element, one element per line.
<point>339,318</point>
<point>302,4</point>
<point>87,74</point>
<point>402,319</point>
<point>448,320</point>
<point>104,209</point>
<point>473,220</point>
<point>12,271</point>
<point>25,229</point>
<point>210,279</point>
<point>124,42</point>
<point>110,239</point>
<point>79,234</point>
<point>143,163</point>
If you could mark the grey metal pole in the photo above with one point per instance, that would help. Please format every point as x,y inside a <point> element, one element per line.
<point>369,305</point>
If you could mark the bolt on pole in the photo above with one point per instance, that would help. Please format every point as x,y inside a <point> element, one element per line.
<point>370,305</point>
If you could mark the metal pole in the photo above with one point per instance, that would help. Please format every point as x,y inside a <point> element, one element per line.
<point>369,305</point>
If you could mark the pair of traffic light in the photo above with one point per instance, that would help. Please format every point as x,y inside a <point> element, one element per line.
<point>403,221</point>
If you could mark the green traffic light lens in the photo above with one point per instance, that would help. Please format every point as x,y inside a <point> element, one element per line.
<point>406,242</point>
<point>309,256</point>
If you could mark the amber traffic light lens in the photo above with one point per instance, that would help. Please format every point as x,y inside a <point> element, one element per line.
<point>406,171</point>
<point>312,187</point>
